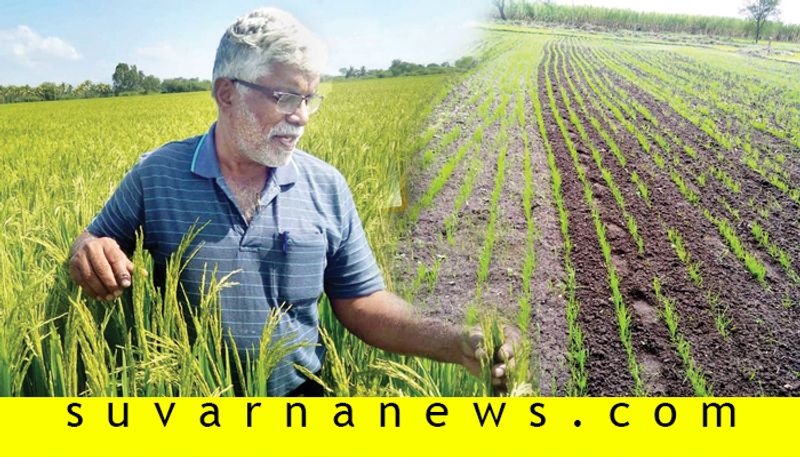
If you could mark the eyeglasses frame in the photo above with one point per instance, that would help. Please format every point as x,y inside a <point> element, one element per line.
<point>277,94</point>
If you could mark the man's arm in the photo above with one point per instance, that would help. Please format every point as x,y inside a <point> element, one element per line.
<point>384,320</point>
<point>98,262</point>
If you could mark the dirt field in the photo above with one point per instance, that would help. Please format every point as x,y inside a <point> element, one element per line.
<point>680,211</point>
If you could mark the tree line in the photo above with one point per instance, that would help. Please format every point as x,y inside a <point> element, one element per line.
<point>757,23</point>
<point>402,68</point>
<point>126,80</point>
<point>129,80</point>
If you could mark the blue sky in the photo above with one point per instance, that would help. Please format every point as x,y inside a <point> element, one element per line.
<point>76,40</point>
<point>72,41</point>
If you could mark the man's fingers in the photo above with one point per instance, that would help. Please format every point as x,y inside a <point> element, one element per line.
<point>499,371</point>
<point>475,336</point>
<point>511,364</point>
<point>120,264</point>
<point>133,271</point>
<point>121,273</point>
<point>506,352</point>
<point>100,267</point>
<point>103,272</point>
<point>473,344</point>
<point>499,376</point>
<point>81,272</point>
<point>87,278</point>
<point>92,282</point>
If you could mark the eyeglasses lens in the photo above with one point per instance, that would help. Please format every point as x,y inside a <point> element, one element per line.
<point>288,103</point>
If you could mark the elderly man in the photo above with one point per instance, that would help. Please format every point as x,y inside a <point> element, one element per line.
<point>282,218</point>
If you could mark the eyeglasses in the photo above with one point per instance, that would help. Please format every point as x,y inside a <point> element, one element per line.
<point>287,102</point>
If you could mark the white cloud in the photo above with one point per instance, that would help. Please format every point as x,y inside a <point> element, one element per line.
<point>27,46</point>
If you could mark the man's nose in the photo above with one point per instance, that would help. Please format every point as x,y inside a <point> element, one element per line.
<point>300,115</point>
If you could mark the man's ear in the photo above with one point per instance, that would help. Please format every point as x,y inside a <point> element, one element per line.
<point>224,93</point>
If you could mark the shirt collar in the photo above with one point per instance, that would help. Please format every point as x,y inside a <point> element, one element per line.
<point>206,164</point>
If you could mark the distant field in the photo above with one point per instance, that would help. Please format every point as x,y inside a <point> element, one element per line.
<point>787,51</point>
<point>633,204</point>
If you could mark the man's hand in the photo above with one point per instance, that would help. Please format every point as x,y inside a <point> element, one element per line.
<point>502,360</point>
<point>100,267</point>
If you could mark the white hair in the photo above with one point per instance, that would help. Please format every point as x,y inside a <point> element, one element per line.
<point>262,37</point>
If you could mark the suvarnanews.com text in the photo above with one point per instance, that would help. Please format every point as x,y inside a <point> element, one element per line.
<point>385,413</point>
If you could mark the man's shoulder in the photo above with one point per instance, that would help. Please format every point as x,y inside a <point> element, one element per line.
<point>315,169</point>
<point>175,155</point>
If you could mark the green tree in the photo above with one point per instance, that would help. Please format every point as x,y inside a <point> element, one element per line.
<point>760,11</point>
<point>102,90</point>
<point>466,62</point>
<point>127,78</point>
<point>84,89</point>
<point>185,85</point>
<point>151,84</point>
<point>47,91</point>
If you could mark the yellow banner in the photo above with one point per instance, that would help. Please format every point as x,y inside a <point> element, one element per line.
<point>404,427</point>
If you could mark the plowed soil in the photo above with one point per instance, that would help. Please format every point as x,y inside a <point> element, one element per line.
<point>744,335</point>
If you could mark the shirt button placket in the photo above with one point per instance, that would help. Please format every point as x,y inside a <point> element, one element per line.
<point>255,233</point>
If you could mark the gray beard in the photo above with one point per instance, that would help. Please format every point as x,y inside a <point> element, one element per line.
<point>251,143</point>
<point>264,154</point>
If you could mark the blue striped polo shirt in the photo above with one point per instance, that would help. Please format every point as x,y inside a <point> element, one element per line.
<point>305,238</point>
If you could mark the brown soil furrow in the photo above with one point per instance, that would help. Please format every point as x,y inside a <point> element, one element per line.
<point>653,230</point>
<point>751,183</point>
<point>504,283</point>
<point>607,358</point>
<point>549,305</point>
<point>504,280</point>
<point>663,369</point>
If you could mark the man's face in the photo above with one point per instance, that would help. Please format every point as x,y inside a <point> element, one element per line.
<point>262,132</point>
